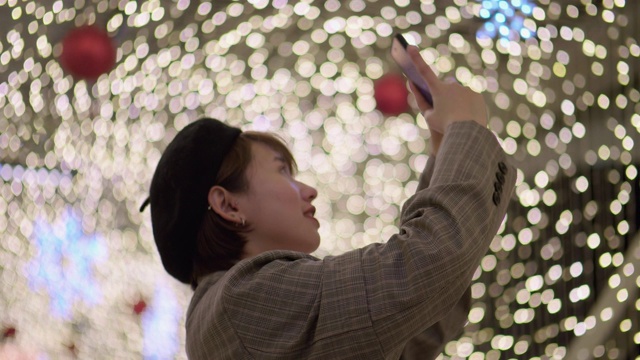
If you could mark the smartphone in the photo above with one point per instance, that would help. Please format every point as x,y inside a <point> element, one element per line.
<point>401,56</point>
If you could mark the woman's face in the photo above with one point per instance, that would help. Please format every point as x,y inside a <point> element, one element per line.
<point>277,206</point>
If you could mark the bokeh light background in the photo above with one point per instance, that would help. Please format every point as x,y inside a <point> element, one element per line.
<point>79,274</point>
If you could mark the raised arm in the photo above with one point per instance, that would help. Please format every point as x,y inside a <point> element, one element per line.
<point>430,342</point>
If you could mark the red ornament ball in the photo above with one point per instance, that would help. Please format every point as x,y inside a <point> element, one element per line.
<point>391,94</point>
<point>139,307</point>
<point>87,52</point>
<point>9,332</point>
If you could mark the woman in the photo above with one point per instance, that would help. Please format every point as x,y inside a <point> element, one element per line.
<point>230,218</point>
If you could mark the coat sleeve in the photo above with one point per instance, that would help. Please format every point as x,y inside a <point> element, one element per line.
<point>417,284</point>
<point>429,343</point>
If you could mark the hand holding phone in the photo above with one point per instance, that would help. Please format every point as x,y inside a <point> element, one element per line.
<point>456,102</point>
<point>401,57</point>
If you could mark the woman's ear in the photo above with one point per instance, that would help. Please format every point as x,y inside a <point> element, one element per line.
<point>224,204</point>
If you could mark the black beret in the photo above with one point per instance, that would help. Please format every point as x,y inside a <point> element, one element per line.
<point>186,171</point>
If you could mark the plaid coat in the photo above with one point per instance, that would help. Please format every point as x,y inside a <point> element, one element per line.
<point>403,299</point>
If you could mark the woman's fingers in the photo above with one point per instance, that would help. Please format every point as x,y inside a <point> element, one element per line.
<point>423,105</point>
<point>453,102</point>
<point>430,77</point>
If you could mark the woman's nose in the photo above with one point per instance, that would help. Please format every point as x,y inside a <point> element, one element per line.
<point>308,192</point>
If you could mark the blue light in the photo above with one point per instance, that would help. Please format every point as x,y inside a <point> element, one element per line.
<point>510,12</point>
<point>64,263</point>
<point>485,14</point>
<point>517,23</point>
<point>504,42</point>
<point>487,31</point>
<point>160,325</point>
<point>506,18</point>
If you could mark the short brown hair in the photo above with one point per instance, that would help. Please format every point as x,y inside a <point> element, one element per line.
<point>219,243</point>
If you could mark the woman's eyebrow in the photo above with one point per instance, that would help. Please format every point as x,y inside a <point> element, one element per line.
<point>283,161</point>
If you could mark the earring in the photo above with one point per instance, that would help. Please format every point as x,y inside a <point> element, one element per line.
<point>240,224</point>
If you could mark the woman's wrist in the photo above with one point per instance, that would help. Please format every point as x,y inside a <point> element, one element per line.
<point>435,141</point>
